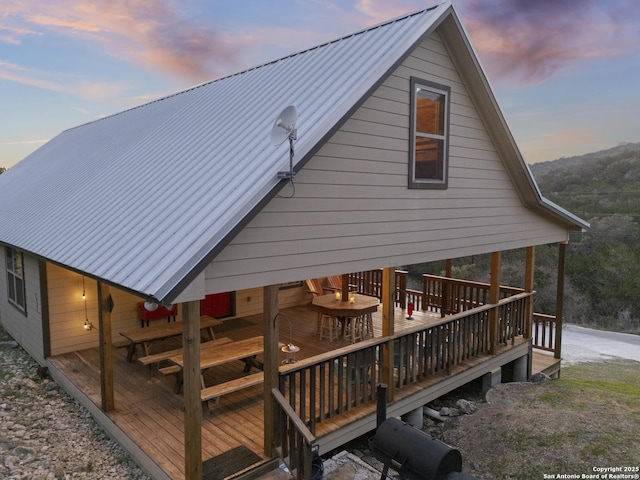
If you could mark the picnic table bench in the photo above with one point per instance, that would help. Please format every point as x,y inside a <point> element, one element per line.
<point>216,391</point>
<point>144,336</point>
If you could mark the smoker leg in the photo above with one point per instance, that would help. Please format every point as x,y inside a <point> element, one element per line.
<point>385,470</point>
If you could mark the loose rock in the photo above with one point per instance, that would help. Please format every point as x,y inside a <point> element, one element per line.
<point>47,435</point>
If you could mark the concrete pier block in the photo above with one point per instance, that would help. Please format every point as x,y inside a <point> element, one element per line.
<point>520,367</point>
<point>491,379</point>
<point>414,418</point>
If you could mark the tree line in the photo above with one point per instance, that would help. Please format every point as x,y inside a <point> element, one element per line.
<point>602,274</point>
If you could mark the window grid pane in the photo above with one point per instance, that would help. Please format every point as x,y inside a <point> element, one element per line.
<point>15,279</point>
<point>429,154</point>
<point>430,112</point>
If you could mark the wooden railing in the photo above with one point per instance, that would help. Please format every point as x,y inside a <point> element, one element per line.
<point>442,294</point>
<point>543,333</point>
<point>421,352</point>
<point>292,439</point>
<point>321,387</point>
<point>332,384</point>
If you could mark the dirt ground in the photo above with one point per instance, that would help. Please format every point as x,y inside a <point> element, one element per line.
<point>585,421</point>
<point>585,424</point>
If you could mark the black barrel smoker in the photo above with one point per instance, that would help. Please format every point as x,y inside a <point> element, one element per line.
<point>414,454</point>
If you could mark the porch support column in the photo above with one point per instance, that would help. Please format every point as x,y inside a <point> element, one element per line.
<point>446,288</point>
<point>562,247</point>
<point>271,355</point>
<point>530,260</point>
<point>191,390</point>
<point>105,306</point>
<point>388,327</point>
<point>494,298</point>
<point>345,287</point>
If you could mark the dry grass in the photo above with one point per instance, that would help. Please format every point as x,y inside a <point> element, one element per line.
<point>588,418</point>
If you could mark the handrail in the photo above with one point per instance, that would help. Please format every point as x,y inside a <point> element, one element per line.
<point>544,332</point>
<point>443,294</point>
<point>333,383</point>
<point>292,440</point>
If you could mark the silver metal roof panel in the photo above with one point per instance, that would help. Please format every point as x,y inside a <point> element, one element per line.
<point>141,198</point>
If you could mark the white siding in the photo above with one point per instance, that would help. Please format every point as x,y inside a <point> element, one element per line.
<point>352,209</point>
<point>26,330</point>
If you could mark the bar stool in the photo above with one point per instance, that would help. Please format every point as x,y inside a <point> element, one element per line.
<point>328,327</point>
<point>367,325</point>
<point>353,329</point>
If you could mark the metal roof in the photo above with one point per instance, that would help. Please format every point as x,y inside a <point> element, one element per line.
<point>139,199</point>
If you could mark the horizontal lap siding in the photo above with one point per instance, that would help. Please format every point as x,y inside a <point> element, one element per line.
<point>352,209</point>
<point>67,313</point>
<point>26,330</point>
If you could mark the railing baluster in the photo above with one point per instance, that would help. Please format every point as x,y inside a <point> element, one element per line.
<point>318,391</point>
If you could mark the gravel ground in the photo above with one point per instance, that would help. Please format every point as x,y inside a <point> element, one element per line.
<point>44,433</point>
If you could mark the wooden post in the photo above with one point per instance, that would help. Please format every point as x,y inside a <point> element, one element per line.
<point>345,287</point>
<point>494,298</point>
<point>191,391</point>
<point>105,306</point>
<point>388,328</point>
<point>446,289</point>
<point>530,260</point>
<point>271,364</point>
<point>562,247</point>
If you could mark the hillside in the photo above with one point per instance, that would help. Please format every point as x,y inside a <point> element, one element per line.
<point>595,184</point>
<point>603,264</point>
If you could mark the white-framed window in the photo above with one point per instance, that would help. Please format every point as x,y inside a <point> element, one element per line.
<point>15,279</point>
<point>429,149</point>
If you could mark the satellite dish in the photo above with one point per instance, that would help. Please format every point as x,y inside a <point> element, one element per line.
<point>284,126</point>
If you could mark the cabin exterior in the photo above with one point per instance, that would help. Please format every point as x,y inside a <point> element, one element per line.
<point>402,156</point>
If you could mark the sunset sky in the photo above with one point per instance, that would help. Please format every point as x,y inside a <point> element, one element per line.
<point>566,72</point>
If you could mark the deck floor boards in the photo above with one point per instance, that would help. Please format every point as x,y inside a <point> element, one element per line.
<point>151,414</point>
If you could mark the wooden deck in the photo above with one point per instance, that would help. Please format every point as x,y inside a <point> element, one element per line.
<point>545,362</point>
<point>149,412</point>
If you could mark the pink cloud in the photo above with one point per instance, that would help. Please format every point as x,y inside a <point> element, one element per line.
<point>61,83</point>
<point>525,42</point>
<point>377,11</point>
<point>148,32</point>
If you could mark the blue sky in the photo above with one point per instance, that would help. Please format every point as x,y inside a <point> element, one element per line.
<point>566,72</point>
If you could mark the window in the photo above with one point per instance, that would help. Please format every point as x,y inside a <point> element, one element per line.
<point>430,135</point>
<point>15,279</point>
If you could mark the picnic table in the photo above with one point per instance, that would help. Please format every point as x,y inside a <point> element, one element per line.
<point>245,350</point>
<point>144,336</point>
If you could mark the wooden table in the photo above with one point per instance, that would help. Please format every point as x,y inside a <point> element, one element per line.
<point>342,309</point>
<point>147,335</point>
<point>245,350</point>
